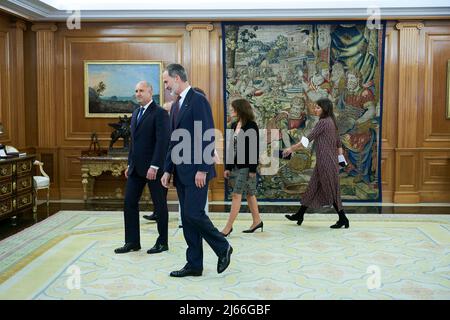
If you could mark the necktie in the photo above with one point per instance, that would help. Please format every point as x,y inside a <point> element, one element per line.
<point>141,111</point>
<point>176,108</point>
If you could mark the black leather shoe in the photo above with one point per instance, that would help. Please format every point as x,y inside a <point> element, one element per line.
<point>128,247</point>
<point>157,248</point>
<point>225,260</point>
<point>186,272</point>
<point>151,217</point>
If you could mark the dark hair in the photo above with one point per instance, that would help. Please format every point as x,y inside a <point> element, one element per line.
<point>244,110</point>
<point>175,69</point>
<point>199,91</point>
<point>327,109</point>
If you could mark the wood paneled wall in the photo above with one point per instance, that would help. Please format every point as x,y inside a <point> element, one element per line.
<point>12,82</point>
<point>420,156</point>
<point>42,96</point>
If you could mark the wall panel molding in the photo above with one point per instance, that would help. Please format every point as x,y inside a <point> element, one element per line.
<point>45,40</point>
<point>436,128</point>
<point>79,48</point>
<point>6,114</point>
<point>19,82</point>
<point>390,90</point>
<point>408,83</point>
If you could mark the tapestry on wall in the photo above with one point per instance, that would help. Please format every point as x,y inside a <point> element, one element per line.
<point>282,69</point>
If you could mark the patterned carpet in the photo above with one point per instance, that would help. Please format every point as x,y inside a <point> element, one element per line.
<point>379,257</point>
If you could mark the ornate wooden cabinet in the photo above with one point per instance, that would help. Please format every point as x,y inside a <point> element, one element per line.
<point>16,186</point>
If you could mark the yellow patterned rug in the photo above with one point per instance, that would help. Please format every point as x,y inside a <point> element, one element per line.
<point>70,256</point>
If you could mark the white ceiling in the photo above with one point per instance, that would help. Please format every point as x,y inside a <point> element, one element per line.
<point>59,10</point>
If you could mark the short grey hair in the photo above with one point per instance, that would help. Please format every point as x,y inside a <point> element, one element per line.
<point>147,84</point>
<point>175,69</point>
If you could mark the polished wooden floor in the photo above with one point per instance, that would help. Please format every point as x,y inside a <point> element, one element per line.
<point>11,226</point>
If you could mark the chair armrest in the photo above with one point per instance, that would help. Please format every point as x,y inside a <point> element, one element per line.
<point>41,168</point>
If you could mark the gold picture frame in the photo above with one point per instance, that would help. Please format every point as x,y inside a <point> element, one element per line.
<point>109,86</point>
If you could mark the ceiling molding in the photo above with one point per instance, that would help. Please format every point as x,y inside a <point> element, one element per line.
<point>34,10</point>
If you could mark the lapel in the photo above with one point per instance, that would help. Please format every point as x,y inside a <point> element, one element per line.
<point>134,120</point>
<point>145,115</point>
<point>172,125</point>
<point>184,107</point>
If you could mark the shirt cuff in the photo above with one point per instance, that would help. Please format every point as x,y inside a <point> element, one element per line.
<point>154,167</point>
<point>341,158</point>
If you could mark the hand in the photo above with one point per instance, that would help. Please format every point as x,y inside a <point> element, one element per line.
<point>165,180</point>
<point>287,152</point>
<point>151,173</point>
<point>200,179</point>
<point>126,173</point>
<point>226,174</point>
<point>252,174</point>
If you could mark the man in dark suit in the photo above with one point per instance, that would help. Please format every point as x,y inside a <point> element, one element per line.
<point>191,162</point>
<point>148,148</point>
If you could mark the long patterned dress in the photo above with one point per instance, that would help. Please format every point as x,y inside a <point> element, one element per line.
<point>323,188</point>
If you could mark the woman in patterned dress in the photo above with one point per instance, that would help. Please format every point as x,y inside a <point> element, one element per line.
<point>323,188</point>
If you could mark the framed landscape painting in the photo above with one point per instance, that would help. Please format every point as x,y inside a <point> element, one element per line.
<point>109,86</point>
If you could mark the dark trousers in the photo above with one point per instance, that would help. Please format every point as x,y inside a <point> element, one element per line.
<point>134,188</point>
<point>197,225</point>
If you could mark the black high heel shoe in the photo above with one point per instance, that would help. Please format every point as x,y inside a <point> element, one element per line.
<point>341,223</point>
<point>226,235</point>
<point>251,230</point>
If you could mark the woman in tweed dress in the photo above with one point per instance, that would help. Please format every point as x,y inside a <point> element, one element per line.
<point>323,188</point>
<point>243,170</point>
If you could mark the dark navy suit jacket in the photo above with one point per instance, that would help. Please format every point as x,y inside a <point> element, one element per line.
<point>149,140</point>
<point>195,109</point>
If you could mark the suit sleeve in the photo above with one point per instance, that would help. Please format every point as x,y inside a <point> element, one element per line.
<point>130,148</point>
<point>229,157</point>
<point>162,138</point>
<point>168,164</point>
<point>203,114</point>
<point>253,166</point>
